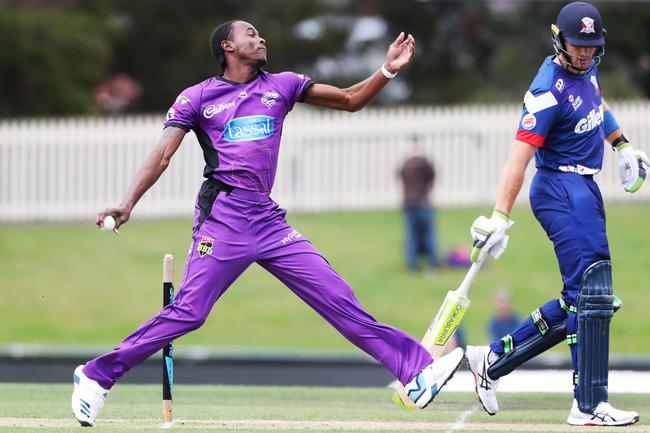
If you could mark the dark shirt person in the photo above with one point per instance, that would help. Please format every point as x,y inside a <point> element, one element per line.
<point>418,175</point>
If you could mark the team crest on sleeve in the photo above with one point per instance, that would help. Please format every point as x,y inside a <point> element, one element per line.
<point>170,113</point>
<point>587,25</point>
<point>529,121</point>
<point>182,99</point>
<point>205,246</point>
<point>269,99</point>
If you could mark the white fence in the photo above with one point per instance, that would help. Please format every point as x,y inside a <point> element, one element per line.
<point>68,169</point>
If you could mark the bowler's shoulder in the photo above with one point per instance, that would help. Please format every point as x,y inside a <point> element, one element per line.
<point>196,90</point>
<point>284,77</point>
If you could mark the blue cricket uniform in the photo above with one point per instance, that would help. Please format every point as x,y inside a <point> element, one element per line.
<point>563,117</point>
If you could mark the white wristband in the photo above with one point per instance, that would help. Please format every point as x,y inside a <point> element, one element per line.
<point>387,74</point>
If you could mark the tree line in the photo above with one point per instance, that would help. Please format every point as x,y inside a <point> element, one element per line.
<point>58,54</point>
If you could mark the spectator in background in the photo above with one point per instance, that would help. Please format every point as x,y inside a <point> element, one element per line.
<point>505,320</point>
<point>118,93</point>
<point>417,175</point>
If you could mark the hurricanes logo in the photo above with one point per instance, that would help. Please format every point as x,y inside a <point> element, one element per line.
<point>269,99</point>
<point>205,246</point>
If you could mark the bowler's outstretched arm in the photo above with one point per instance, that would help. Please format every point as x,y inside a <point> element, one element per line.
<point>148,173</point>
<point>400,53</point>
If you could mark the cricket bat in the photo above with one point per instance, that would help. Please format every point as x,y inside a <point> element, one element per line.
<point>443,326</point>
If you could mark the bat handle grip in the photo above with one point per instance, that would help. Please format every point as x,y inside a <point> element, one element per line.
<point>463,289</point>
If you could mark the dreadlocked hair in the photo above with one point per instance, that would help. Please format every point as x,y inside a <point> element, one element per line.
<point>219,34</point>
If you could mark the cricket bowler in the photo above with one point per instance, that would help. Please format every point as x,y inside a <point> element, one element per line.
<point>564,123</point>
<point>238,118</point>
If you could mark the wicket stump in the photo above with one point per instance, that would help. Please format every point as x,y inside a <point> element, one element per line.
<point>168,350</point>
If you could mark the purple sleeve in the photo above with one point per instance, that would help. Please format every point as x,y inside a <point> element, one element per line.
<point>184,112</point>
<point>293,86</point>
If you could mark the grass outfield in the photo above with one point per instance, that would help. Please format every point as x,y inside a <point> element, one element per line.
<point>34,407</point>
<point>69,283</point>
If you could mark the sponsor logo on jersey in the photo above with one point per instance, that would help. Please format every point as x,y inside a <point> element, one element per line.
<point>529,121</point>
<point>212,109</point>
<point>593,120</point>
<point>575,102</point>
<point>301,76</point>
<point>587,25</point>
<point>249,128</point>
<point>269,99</point>
<point>243,94</point>
<point>170,113</point>
<point>292,236</point>
<point>205,246</point>
<point>559,85</point>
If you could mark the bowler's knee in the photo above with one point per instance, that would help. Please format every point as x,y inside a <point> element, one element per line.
<point>190,318</point>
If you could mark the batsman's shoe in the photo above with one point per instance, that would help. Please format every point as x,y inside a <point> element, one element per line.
<point>87,398</point>
<point>424,387</point>
<point>478,361</point>
<point>603,415</point>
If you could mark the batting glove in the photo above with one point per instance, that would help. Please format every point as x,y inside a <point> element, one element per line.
<point>489,235</point>
<point>632,166</point>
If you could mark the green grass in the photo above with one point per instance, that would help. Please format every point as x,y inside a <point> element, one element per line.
<point>69,283</point>
<point>37,407</point>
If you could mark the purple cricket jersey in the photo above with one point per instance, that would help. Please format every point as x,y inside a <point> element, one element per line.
<point>239,125</point>
<point>239,128</point>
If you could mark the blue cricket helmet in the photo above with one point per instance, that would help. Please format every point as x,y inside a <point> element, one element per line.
<point>580,24</point>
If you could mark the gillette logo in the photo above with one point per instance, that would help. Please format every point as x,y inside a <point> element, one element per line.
<point>593,120</point>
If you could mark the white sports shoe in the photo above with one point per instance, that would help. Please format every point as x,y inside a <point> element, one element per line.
<point>87,398</point>
<point>603,415</point>
<point>424,387</point>
<point>486,388</point>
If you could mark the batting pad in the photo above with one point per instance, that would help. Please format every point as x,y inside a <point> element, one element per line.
<point>595,311</point>
<point>532,338</point>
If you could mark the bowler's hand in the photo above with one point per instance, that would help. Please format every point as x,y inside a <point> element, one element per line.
<point>121,214</point>
<point>489,235</point>
<point>400,53</point>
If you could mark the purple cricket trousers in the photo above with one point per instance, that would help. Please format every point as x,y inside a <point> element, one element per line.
<point>232,229</point>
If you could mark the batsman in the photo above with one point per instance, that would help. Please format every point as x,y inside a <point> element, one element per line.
<point>564,123</point>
